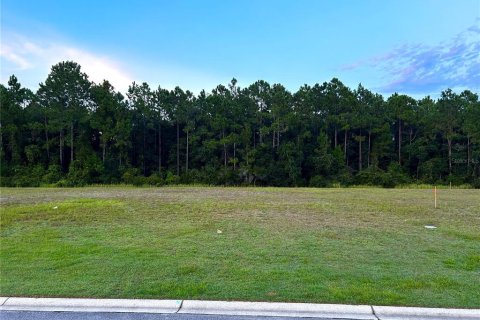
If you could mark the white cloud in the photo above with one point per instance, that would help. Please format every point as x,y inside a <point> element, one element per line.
<point>30,60</point>
<point>9,55</point>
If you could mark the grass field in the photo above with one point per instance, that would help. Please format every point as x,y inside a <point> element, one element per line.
<point>359,246</point>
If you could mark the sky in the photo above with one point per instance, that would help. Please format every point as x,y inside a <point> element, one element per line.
<point>415,47</point>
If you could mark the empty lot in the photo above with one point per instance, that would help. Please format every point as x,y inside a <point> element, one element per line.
<point>353,246</point>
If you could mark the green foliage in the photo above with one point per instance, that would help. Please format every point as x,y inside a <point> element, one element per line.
<point>319,182</point>
<point>25,176</point>
<point>32,153</point>
<point>372,176</point>
<point>476,183</point>
<point>155,180</point>
<point>171,178</point>
<point>320,135</point>
<point>53,174</point>
<point>132,176</point>
<point>396,175</point>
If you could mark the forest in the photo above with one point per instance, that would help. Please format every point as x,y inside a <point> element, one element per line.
<point>74,132</point>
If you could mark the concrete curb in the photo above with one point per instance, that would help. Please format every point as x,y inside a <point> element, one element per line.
<point>91,305</point>
<point>277,309</point>
<point>398,313</point>
<point>2,300</point>
<point>306,310</point>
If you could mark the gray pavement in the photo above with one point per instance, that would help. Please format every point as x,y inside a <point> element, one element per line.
<point>36,315</point>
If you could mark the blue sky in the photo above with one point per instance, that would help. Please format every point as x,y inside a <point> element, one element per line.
<point>414,47</point>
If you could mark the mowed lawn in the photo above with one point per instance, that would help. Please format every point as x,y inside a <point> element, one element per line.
<point>357,246</point>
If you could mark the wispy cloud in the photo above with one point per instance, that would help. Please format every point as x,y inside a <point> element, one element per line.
<point>31,59</point>
<point>427,69</point>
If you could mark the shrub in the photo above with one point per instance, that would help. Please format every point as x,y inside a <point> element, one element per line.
<point>27,176</point>
<point>476,183</point>
<point>372,176</point>
<point>455,180</point>
<point>85,171</point>
<point>318,182</point>
<point>154,179</point>
<point>132,176</point>
<point>171,178</point>
<point>53,174</point>
<point>345,177</point>
<point>395,175</point>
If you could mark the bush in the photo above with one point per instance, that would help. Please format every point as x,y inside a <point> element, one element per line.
<point>432,170</point>
<point>85,171</point>
<point>192,176</point>
<point>318,182</point>
<point>455,180</point>
<point>345,177</point>
<point>171,178</point>
<point>372,176</point>
<point>476,183</point>
<point>5,181</point>
<point>395,176</point>
<point>53,174</point>
<point>64,183</point>
<point>77,175</point>
<point>155,179</point>
<point>133,176</point>
<point>27,176</point>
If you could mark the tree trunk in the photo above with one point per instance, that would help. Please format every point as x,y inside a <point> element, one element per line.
<point>468,155</point>
<point>410,143</point>
<point>134,148</point>
<point>1,142</point>
<point>159,149</point>
<point>46,139</point>
<point>224,156</point>
<point>360,154</point>
<point>186,158</point>
<point>369,148</point>
<point>71,143</point>
<point>104,146</point>
<point>234,156</point>
<point>449,141</point>
<point>274,132</point>
<point>61,148</point>
<point>336,137</point>
<point>273,139</point>
<point>399,142</point>
<point>345,145</point>
<point>178,149</point>
<point>144,145</point>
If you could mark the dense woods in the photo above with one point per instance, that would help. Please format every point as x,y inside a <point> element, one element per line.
<point>74,132</point>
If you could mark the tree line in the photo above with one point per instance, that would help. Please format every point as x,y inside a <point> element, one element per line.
<point>74,132</point>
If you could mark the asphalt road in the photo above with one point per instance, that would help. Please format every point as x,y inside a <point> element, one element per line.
<point>36,315</point>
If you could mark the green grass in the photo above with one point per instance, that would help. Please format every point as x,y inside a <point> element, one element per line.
<point>358,246</point>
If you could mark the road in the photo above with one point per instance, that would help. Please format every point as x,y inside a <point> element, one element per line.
<point>37,315</point>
